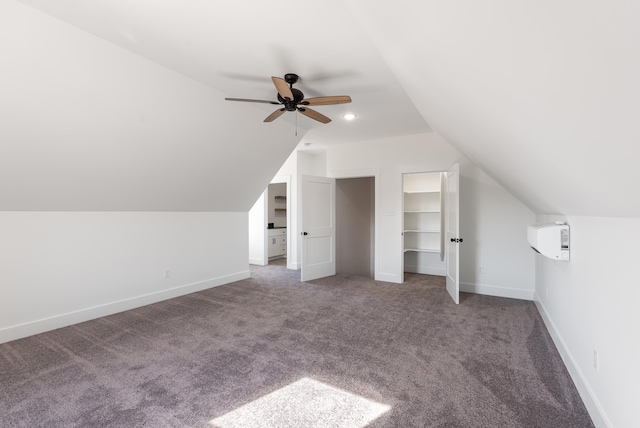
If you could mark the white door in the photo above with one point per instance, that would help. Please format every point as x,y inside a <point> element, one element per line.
<point>452,226</point>
<point>318,227</point>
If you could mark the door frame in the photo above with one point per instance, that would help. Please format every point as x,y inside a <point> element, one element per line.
<point>344,213</point>
<point>286,179</point>
<point>362,173</point>
<point>400,172</point>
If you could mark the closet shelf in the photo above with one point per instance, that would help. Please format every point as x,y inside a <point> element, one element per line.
<point>422,207</point>
<point>411,192</point>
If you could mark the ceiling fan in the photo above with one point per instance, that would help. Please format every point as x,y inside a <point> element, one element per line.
<point>293,99</point>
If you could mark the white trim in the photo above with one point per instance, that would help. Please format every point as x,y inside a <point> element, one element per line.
<point>589,398</point>
<point>492,290</point>
<point>256,261</point>
<point>400,172</point>
<point>388,277</point>
<point>63,320</point>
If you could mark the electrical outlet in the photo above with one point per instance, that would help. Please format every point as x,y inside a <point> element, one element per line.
<point>481,270</point>
<point>167,273</point>
<point>595,359</point>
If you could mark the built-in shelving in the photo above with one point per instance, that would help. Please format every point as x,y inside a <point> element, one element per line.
<point>422,212</point>
<point>422,217</point>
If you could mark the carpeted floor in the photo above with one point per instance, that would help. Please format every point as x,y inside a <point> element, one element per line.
<point>271,351</point>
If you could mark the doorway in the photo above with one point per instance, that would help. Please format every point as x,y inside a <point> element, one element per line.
<point>423,223</point>
<point>355,226</point>
<point>431,226</point>
<point>265,215</point>
<point>277,230</point>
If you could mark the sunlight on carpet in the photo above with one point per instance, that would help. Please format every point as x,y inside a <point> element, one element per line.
<point>305,402</point>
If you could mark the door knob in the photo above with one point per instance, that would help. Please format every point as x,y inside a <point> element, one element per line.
<point>305,233</point>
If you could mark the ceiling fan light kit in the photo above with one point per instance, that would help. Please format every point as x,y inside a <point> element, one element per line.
<point>292,99</point>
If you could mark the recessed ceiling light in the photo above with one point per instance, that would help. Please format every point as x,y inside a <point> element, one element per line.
<point>349,116</point>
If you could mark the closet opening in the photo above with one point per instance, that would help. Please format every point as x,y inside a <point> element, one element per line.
<point>355,226</point>
<point>423,223</point>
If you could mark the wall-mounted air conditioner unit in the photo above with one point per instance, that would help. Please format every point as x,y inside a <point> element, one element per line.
<point>550,239</point>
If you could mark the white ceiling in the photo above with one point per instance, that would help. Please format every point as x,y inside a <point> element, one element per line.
<point>542,95</point>
<point>235,47</point>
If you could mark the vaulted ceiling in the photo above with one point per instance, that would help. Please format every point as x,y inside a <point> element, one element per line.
<point>119,105</point>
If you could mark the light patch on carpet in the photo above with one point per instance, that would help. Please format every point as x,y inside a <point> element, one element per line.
<point>305,402</point>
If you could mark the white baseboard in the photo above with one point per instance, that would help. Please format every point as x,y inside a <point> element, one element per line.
<point>426,270</point>
<point>492,290</point>
<point>592,404</point>
<point>63,320</point>
<point>256,261</point>
<point>388,277</point>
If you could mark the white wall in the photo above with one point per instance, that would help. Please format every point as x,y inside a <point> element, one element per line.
<point>428,152</point>
<point>258,254</point>
<point>495,257</point>
<point>61,268</point>
<point>590,303</point>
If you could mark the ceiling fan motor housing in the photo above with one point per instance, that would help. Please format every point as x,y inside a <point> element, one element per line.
<point>290,105</point>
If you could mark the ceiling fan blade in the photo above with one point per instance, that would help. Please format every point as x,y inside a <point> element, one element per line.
<point>283,87</point>
<point>325,101</point>
<point>273,116</point>
<point>314,115</point>
<point>246,100</point>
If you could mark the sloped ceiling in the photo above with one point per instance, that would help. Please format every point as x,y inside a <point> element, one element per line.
<point>541,95</point>
<point>119,105</point>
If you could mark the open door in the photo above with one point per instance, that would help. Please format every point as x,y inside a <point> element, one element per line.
<point>318,216</point>
<point>452,226</point>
